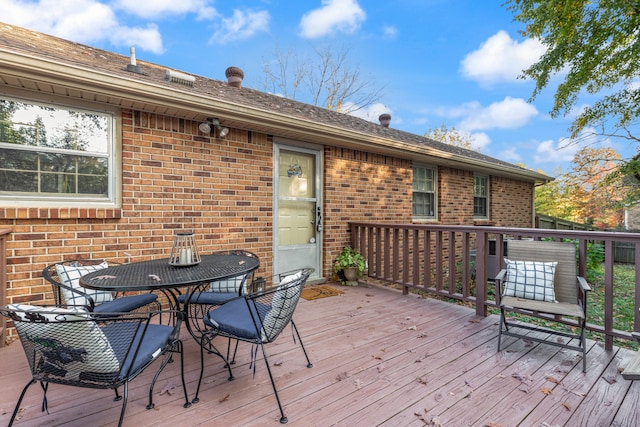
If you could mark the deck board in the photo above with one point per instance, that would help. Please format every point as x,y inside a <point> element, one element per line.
<point>380,358</point>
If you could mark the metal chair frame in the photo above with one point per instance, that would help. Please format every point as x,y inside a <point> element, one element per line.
<point>50,274</point>
<point>570,291</point>
<point>70,346</point>
<point>259,318</point>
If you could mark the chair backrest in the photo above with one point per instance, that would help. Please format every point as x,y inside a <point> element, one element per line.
<point>239,284</point>
<point>68,345</point>
<point>564,253</point>
<point>64,345</point>
<point>275,307</point>
<point>64,279</point>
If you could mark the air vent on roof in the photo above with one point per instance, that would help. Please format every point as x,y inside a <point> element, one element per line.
<point>133,66</point>
<point>180,78</point>
<point>234,76</point>
<point>384,119</point>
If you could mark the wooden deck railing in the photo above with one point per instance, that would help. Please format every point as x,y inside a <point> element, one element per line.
<point>4,232</point>
<point>450,260</point>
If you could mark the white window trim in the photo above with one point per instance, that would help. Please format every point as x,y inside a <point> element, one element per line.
<point>424,218</point>
<point>488,188</point>
<point>114,194</point>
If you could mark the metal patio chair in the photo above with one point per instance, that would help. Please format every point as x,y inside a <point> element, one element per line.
<point>64,276</point>
<point>205,297</point>
<point>257,318</point>
<point>541,277</point>
<point>71,346</point>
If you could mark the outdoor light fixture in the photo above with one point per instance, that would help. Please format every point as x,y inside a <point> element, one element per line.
<point>210,125</point>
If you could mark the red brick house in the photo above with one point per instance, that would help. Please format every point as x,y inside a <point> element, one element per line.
<point>103,158</point>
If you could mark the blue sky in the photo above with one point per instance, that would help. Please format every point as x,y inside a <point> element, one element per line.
<point>438,61</point>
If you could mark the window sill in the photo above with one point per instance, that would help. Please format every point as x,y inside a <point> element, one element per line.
<point>60,213</point>
<point>425,221</point>
<point>483,222</point>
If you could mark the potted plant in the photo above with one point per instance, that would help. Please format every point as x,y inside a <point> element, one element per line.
<point>351,263</point>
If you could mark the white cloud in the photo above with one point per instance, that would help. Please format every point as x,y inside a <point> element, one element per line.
<point>565,149</point>
<point>479,140</point>
<point>148,38</point>
<point>501,59</point>
<point>389,32</point>
<point>160,8</point>
<point>242,25</point>
<point>82,21</point>
<point>507,114</point>
<point>344,16</point>
<point>550,151</point>
<point>369,113</point>
<point>509,155</point>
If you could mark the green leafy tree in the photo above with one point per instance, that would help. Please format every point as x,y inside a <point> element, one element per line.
<point>552,199</point>
<point>594,45</point>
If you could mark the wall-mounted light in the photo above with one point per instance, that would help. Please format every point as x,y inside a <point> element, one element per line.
<point>209,125</point>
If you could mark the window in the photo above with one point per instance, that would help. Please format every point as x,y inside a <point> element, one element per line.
<point>48,152</point>
<point>424,192</point>
<point>480,196</point>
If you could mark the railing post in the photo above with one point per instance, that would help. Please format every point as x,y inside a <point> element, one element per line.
<point>608,294</point>
<point>636,310</point>
<point>3,282</point>
<point>481,272</point>
<point>430,265</point>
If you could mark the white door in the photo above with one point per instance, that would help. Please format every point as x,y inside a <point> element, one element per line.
<point>297,206</point>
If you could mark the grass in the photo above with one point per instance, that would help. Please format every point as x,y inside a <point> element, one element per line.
<point>623,299</point>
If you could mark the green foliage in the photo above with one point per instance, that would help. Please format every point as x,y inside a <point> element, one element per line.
<point>349,257</point>
<point>593,45</point>
<point>595,258</point>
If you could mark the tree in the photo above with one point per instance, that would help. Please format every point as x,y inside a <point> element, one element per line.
<point>587,194</point>
<point>451,136</point>
<point>596,196</point>
<point>553,199</point>
<point>594,44</point>
<point>328,77</point>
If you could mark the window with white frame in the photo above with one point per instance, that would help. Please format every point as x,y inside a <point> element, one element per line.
<point>480,196</point>
<point>50,152</point>
<point>424,192</point>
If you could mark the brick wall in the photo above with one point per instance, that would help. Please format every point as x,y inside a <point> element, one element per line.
<point>511,202</point>
<point>174,178</point>
<point>360,186</point>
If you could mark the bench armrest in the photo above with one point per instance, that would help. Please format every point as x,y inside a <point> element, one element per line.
<point>582,283</point>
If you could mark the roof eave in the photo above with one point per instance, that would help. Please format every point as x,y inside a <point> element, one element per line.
<point>126,92</point>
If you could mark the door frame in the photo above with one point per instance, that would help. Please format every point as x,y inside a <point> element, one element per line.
<point>318,152</point>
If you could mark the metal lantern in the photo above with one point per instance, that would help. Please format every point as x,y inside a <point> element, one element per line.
<point>184,251</point>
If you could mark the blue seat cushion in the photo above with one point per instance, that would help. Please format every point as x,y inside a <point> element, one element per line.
<point>154,340</point>
<point>125,304</point>
<point>236,318</point>
<point>212,298</point>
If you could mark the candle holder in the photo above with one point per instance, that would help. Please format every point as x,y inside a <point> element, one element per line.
<point>184,251</point>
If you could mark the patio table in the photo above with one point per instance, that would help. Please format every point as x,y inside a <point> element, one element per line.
<point>159,275</point>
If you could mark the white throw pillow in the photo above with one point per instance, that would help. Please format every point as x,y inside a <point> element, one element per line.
<point>530,280</point>
<point>228,285</point>
<point>69,349</point>
<point>70,276</point>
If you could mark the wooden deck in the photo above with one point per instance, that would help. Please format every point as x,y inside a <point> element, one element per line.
<point>380,358</point>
